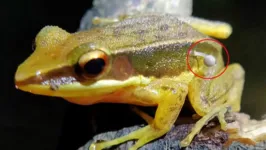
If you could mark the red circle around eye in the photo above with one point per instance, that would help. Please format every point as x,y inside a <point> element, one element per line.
<point>197,42</point>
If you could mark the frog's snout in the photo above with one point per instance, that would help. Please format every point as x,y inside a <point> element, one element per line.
<point>20,76</point>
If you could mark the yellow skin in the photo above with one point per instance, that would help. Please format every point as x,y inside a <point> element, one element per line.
<point>141,61</point>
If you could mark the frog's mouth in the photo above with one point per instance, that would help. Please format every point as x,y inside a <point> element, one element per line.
<point>66,83</point>
<point>62,76</point>
<point>76,89</point>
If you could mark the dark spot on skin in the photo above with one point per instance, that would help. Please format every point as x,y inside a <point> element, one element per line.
<point>180,97</point>
<point>101,38</point>
<point>158,37</point>
<point>167,88</point>
<point>99,141</point>
<point>164,27</point>
<point>116,31</point>
<point>182,34</point>
<point>173,90</point>
<point>204,100</point>
<point>164,88</point>
<point>97,30</point>
<point>79,38</point>
<point>172,109</point>
<point>141,32</point>
<point>229,109</point>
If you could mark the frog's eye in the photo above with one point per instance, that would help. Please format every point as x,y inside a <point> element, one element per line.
<point>93,64</point>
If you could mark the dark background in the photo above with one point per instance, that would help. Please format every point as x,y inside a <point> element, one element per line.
<point>36,122</point>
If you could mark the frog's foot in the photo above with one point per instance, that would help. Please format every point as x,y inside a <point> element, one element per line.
<point>213,98</point>
<point>144,135</point>
<point>218,111</point>
<point>170,100</point>
<point>221,118</point>
<point>142,114</point>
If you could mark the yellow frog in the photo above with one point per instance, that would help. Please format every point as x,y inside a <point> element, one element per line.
<point>140,60</point>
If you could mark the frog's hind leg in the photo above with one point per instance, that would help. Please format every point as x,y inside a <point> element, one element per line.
<point>170,96</point>
<point>212,98</point>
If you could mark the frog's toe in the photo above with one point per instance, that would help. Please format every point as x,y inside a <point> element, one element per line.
<point>221,117</point>
<point>218,111</point>
<point>151,133</point>
<point>103,145</point>
<point>98,145</point>
<point>185,142</point>
<point>94,146</point>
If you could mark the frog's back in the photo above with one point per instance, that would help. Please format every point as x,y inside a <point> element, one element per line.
<point>156,45</point>
<point>140,31</point>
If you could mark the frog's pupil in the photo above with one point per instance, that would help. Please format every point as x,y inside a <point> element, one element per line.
<point>94,66</point>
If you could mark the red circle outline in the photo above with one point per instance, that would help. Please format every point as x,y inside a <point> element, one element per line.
<point>224,48</point>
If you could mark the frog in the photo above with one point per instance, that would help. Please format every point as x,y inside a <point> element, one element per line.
<point>139,61</point>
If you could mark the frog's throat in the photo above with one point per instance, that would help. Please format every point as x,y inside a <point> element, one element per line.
<point>76,89</point>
